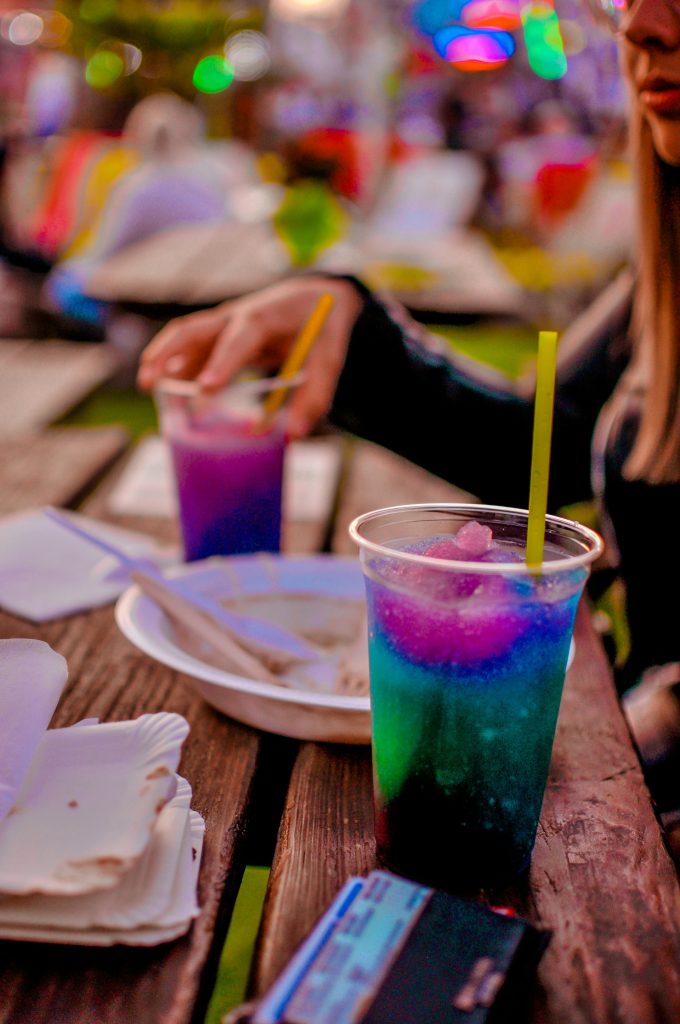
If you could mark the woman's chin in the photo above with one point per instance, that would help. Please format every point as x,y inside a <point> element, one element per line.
<point>666,138</point>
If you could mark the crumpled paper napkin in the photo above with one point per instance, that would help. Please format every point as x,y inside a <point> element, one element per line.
<point>47,572</point>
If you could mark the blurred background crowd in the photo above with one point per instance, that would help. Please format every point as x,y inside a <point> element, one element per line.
<point>469,155</point>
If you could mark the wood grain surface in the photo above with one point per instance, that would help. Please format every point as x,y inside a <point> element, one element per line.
<point>326,835</point>
<point>55,467</point>
<point>601,878</point>
<point>201,264</point>
<point>193,264</point>
<point>42,380</point>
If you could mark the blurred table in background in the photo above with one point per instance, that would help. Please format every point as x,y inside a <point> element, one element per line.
<point>200,265</point>
<point>42,380</point>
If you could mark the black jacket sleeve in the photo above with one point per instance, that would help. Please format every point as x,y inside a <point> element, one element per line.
<point>398,392</point>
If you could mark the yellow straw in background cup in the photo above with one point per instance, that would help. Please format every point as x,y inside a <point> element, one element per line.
<point>540,449</point>
<point>298,353</point>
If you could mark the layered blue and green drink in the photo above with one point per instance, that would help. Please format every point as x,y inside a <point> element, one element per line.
<point>468,651</point>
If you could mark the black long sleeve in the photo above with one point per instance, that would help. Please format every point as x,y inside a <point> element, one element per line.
<point>396,391</point>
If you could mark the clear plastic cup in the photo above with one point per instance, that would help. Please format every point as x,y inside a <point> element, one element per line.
<point>228,463</point>
<point>468,654</point>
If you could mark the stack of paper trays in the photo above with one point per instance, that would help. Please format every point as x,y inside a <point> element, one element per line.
<point>98,844</point>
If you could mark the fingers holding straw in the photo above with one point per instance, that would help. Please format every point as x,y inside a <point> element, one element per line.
<point>298,353</point>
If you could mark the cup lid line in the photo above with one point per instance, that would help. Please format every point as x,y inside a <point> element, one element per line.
<point>514,568</point>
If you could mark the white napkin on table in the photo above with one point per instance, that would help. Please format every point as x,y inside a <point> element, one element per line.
<point>47,572</point>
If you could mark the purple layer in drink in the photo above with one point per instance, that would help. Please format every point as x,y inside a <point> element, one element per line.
<point>229,481</point>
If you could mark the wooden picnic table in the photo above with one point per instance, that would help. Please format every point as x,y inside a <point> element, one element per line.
<point>600,878</point>
<point>197,265</point>
<point>40,381</point>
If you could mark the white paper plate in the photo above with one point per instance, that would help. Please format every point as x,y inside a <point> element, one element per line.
<point>88,803</point>
<point>143,896</point>
<point>173,922</point>
<point>303,715</point>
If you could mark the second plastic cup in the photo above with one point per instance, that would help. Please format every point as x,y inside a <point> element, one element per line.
<point>228,462</point>
<point>468,652</point>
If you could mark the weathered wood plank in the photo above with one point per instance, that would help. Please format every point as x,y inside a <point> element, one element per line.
<point>42,381</point>
<point>192,264</point>
<point>161,528</point>
<point>326,835</point>
<point>207,263</point>
<point>601,877</point>
<point>55,467</point>
<point>307,528</point>
<point>327,827</point>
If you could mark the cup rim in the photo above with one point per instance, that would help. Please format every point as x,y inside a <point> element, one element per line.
<point>513,568</point>
<point>259,385</point>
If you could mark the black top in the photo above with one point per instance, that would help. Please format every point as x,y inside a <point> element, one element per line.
<point>396,390</point>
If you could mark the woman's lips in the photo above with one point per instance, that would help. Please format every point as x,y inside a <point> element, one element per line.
<point>661,97</point>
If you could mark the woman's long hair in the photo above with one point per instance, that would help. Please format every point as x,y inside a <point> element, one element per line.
<point>655,365</point>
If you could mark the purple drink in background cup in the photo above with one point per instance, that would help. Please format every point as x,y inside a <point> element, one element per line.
<point>468,651</point>
<point>228,463</point>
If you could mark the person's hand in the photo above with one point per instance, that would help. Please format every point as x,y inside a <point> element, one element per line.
<point>258,330</point>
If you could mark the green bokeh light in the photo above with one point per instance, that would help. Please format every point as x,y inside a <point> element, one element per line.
<point>543,39</point>
<point>213,74</point>
<point>103,69</point>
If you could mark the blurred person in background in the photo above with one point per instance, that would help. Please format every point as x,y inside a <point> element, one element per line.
<point>311,217</point>
<point>176,179</point>
<point>617,411</point>
<point>545,167</point>
<point>21,176</point>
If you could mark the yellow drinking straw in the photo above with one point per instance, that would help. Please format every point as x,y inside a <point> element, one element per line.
<point>298,352</point>
<point>540,449</point>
